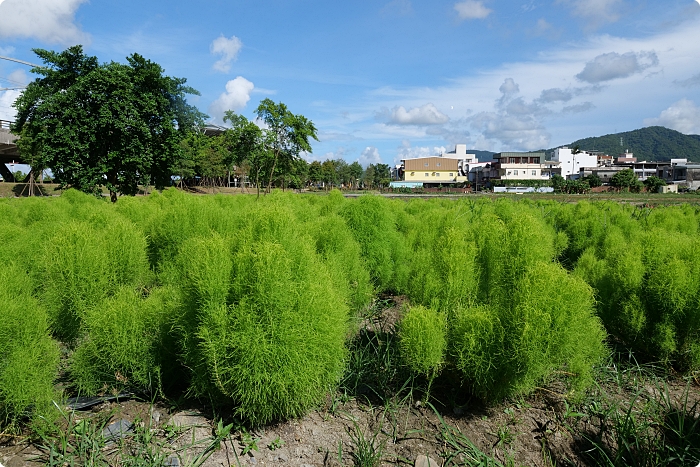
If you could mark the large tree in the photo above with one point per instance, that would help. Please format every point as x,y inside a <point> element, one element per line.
<point>286,135</point>
<point>245,146</point>
<point>113,125</point>
<point>626,179</point>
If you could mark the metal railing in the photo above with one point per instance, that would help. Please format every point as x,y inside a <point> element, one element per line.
<point>5,124</point>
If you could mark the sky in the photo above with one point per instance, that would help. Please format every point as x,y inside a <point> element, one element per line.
<point>392,79</point>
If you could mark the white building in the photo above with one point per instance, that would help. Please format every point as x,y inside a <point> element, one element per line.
<point>571,164</point>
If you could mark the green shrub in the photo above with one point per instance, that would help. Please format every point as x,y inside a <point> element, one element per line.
<point>278,348</point>
<point>373,224</point>
<point>341,254</point>
<point>74,277</point>
<point>422,340</point>
<point>264,323</point>
<point>202,276</point>
<point>83,265</point>
<point>510,349</point>
<point>443,272</point>
<point>28,356</point>
<point>123,341</point>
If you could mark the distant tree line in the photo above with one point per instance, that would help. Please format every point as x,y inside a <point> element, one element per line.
<point>238,157</point>
<point>118,126</point>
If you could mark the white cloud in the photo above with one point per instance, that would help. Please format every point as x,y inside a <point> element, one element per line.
<point>579,108</point>
<point>228,49</point>
<point>47,20</point>
<point>18,78</point>
<point>620,103</point>
<point>406,151</point>
<point>555,95</point>
<point>595,11</point>
<point>690,82</point>
<point>513,123</point>
<point>472,9</point>
<point>370,155</point>
<point>612,65</point>
<point>236,97</point>
<point>6,50</point>
<point>683,116</point>
<point>7,98</point>
<point>542,27</point>
<point>426,114</point>
<point>398,7</point>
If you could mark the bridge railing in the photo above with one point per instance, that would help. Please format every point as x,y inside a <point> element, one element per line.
<point>5,124</point>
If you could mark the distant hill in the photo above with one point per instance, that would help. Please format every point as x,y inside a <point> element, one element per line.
<point>483,156</point>
<point>654,143</point>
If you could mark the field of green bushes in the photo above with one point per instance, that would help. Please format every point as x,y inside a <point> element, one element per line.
<point>254,303</point>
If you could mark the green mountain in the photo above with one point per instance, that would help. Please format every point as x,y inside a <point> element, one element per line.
<point>654,143</point>
<point>483,156</point>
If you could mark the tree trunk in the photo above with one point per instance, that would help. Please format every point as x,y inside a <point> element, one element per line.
<point>274,164</point>
<point>112,177</point>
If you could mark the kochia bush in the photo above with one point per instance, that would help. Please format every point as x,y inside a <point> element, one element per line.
<point>28,355</point>
<point>268,319</point>
<point>422,340</point>
<point>123,342</point>
<point>514,316</point>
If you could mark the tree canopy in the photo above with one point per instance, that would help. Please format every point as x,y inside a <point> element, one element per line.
<point>107,125</point>
<point>626,179</point>
<point>285,135</point>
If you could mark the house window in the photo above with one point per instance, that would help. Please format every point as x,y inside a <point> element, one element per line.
<point>426,164</point>
<point>437,164</point>
<point>515,172</point>
<point>510,173</point>
<point>452,174</point>
<point>427,175</point>
<point>535,160</point>
<point>534,172</point>
<point>511,160</point>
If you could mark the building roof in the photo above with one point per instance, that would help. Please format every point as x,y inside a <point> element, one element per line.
<point>430,164</point>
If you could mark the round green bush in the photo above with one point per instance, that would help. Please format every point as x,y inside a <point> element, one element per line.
<point>28,355</point>
<point>422,340</point>
<point>279,347</point>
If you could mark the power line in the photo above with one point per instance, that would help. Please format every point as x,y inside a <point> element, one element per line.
<point>20,61</point>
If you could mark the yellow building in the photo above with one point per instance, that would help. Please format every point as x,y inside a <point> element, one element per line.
<point>432,170</point>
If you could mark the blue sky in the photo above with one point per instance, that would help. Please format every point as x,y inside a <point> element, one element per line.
<point>391,79</point>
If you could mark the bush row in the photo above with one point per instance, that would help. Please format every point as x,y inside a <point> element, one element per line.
<point>251,302</point>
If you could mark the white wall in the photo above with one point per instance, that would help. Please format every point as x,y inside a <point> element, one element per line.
<point>572,163</point>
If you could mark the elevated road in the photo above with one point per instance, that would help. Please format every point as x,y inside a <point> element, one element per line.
<point>8,151</point>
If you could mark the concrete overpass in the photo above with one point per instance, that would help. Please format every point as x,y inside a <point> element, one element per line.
<point>8,151</point>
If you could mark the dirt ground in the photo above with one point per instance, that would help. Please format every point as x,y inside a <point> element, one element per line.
<point>530,432</point>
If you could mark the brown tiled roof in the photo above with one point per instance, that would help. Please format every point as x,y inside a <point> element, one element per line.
<point>430,164</point>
